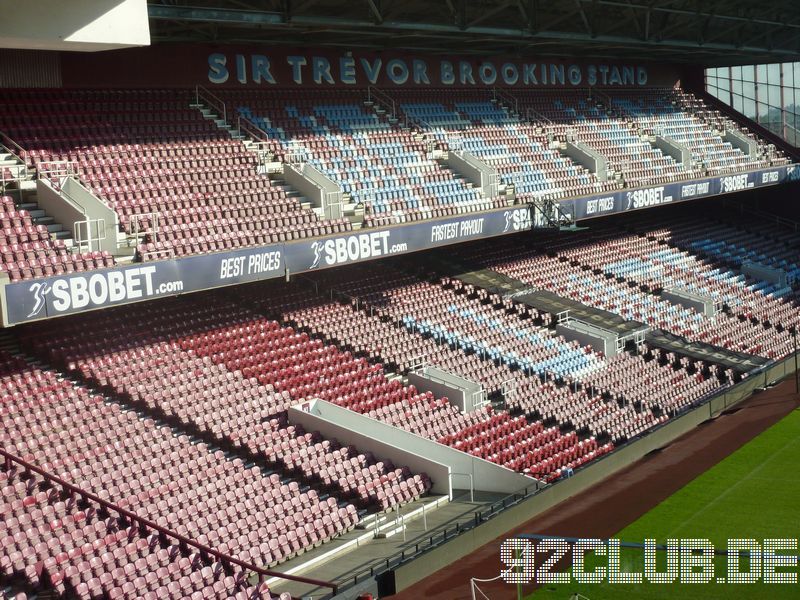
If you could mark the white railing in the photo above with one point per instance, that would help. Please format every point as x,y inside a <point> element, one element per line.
<point>402,519</point>
<point>139,231</point>
<point>535,116</point>
<point>11,173</point>
<point>56,172</point>
<point>479,399</point>
<point>509,389</point>
<point>297,154</point>
<point>418,363</point>
<point>455,142</point>
<point>243,124</point>
<point>333,204</point>
<point>13,147</point>
<point>86,242</point>
<point>158,254</point>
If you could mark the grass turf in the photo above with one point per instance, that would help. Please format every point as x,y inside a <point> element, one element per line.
<point>753,493</point>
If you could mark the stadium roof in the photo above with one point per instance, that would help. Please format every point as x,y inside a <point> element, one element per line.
<point>708,32</point>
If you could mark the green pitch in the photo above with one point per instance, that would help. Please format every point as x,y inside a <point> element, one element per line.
<point>753,493</point>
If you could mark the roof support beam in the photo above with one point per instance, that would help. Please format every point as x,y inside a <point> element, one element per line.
<point>489,13</point>
<point>376,12</point>
<point>546,34</point>
<point>584,19</point>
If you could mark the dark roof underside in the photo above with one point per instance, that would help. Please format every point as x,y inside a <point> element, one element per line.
<point>704,32</point>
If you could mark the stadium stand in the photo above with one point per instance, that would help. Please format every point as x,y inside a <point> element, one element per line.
<point>181,185</point>
<point>28,250</point>
<point>194,366</point>
<point>563,277</point>
<point>82,554</point>
<point>380,166</point>
<point>492,353</point>
<point>146,152</point>
<point>151,444</point>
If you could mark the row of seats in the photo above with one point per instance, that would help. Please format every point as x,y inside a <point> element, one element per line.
<point>166,375</point>
<point>55,541</point>
<point>496,333</point>
<point>165,477</point>
<point>574,272</point>
<point>150,155</point>
<point>142,156</point>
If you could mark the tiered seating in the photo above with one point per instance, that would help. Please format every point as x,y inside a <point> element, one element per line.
<point>523,157</point>
<point>729,244</point>
<point>767,153</point>
<point>377,165</point>
<point>307,368</point>
<point>466,323</point>
<point>161,375</point>
<point>572,115</point>
<point>645,383</point>
<point>661,112</point>
<point>182,186</point>
<point>146,152</point>
<point>395,346</point>
<point>513,342</point>
<point>389,402</point>
<point>593,289</point>
<point>646,260</point>
<point>56,542</point>
<point>28,251</point>
<point>521,153</point>
<point>158,475</point>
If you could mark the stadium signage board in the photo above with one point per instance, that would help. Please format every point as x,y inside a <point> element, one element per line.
<point>265,67</point>
<point>78,292</point>
<point>672,193</point>
<point>356,247</point>
<point>317,68</point>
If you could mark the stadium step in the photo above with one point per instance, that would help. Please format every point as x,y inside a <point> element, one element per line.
<point>43,220</point>
<point>8,342</point>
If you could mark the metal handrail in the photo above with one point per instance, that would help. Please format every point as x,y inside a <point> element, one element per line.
<point>382,97</point>
<point>533,115</point>
<point>593,91</point>
<point>210,97</point>
<point>158,254</point>
<point>135,224</point>
<point>56,172</point>
<point>249,127</point>
<point>506,96</point>
<point>418,363</point>
<point>145,523</point>
<point>87,241</point>
<point>7,141</point>
<point>17,173</point>
<point>471,484</point>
